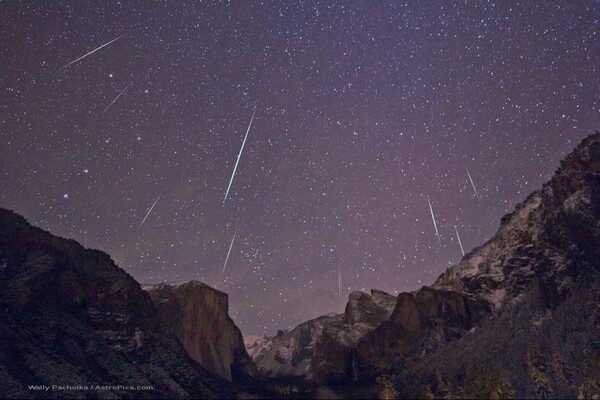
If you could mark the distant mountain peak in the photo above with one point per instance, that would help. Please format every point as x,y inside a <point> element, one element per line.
<point>311,350</point>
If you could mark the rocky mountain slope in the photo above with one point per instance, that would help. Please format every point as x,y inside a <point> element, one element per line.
<point>70,316</point>
<point>318,349</point>
<point>198,316</point>
<point>519,315</point>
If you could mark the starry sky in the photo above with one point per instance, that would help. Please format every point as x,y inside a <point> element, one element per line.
<point>364,110</point>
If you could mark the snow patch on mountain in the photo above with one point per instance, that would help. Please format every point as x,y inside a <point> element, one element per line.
<point>291,353</point>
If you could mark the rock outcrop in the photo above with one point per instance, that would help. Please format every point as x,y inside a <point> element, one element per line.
<point>322,349</point>
<point>70,317</point>
<point>198,316</point>
<point>421,321</point>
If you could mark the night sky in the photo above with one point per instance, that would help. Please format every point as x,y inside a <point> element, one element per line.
<point>363,111</point>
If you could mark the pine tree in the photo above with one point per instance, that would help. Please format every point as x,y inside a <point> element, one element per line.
<point>387,388</point>
<point>492,386</point>
<point>426,393</point>
<point>538,373</point>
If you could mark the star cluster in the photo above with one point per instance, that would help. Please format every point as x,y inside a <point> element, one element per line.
<point>363,111</point>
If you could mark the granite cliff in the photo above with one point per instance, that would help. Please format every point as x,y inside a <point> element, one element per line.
<point>198,316</point>
<point>318,350</point>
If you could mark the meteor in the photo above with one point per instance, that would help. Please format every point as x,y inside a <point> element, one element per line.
<point>472,184</point>
<point>229,251</point>
<point>150,210</point>
<point>459,242</point>
<point>238,157</point>
<point>92,52</point>
<point>116,98</point>
<point>433,218</point>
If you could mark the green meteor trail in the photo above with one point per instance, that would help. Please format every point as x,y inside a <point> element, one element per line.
<point>238,157</point>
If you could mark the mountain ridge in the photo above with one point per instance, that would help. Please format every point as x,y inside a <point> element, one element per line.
<point>544,255</point>
<point>70,316</point>
<point>313,349</point>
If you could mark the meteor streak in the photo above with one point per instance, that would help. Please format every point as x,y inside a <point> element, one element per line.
<point>472,184</point>
<point>238,157</point>
<point>92,52</point>
<point>433,218</point>
<point>116,98</point>
<point>150,210</point>
<point>459,242</point>
<point>229,251</point>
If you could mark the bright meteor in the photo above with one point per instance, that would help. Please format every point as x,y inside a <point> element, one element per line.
<point>472,184</point>
<point>229,251</point>
<point>93,51</point>
<point>238,157</point>
<point>433,218</point>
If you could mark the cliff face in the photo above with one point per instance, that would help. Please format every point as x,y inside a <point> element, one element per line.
<point>198,316</point>
<point>521,299</point>
<point>70,316</point>
<point>549,237</point>
<point>321,349</point>
<point>421,321</point>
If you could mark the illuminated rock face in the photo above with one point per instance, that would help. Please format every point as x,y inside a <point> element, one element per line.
<point>317,350</point>
<point>198,315</point>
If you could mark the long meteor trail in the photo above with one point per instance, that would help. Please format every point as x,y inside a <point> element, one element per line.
<point>93,51</point>
<point>472,184</point>
<point>150,210</point>
<point>116,98</point>
<point>459,242</point>
<point>437,233</point>
<point>229,251</point>
<point>238,157</point>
